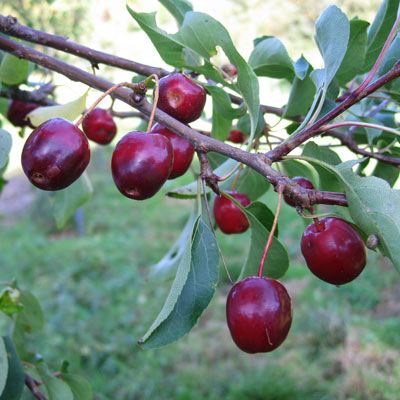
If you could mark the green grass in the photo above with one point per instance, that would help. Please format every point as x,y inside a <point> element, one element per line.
<point>98,301</point>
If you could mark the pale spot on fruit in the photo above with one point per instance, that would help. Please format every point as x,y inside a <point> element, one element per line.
<point>38,177</point>
<point>174,99</point>
<point>132,192</point>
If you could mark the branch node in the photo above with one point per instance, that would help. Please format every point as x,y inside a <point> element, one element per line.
<point>207,174</point>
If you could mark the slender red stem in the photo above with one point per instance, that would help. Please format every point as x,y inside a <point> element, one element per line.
<point>105,94</point>
<point>237,177</point>
<point>155,101</point>
<point>271,234</point>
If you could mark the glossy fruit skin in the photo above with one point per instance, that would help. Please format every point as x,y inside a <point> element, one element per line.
<point>141,163</point>
<point>259,314</point>
<point>55,154</point>
<point>183,150</point>
<point>337,254</point>
<point>228,216</point>
<point>304,183</point>
<point>99,126</point>
<point>181,98</point>
<point>236,136</point>
<point>17,112</point>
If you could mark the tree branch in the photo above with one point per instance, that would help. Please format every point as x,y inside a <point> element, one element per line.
<point>280,151</point>
<point>346,140</point>
<point>39,96</point>
<point>10,26</point>
<point>258,161</point>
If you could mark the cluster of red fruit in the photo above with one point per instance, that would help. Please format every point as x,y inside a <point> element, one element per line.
<point>259,309</point>
<point>141,163</point>
<point>57,152</point>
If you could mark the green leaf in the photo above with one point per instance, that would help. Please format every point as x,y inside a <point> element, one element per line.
<point>303,90</point>
<point>5,147</point>
<point>250,182</point>
<point>169,49</point>
<point>191,291</point>
<point>244,124</point>
<point>371,133</point>
<point>13,70</point>
<point>379,31</point>
<point>374,206</point>
<point>15,377</point>
<point>220,126</point>
<point>385,171</point>
<point>55,387</point>
<point>3,365</point>
<point>328,180</point>
<point>391,57</point>
<point>10,301</point>
<point>4,105</point>
<point>263,214</point>
<point>65,202</point>
<point>31,317</point>
<point>168,264</point>
<point>301,67</point>
<point>79,386</point>
<point>69,111</point>
<point>355,54</point>
<point>270,58</point>
<point>178,8</point>
<point>332,37</point>
<point>223,104</point>
<point>202,34</point>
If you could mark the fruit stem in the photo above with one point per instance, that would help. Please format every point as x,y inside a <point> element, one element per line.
<point>237,177</point>
<point>317,224</point>
<point>213,231</point>
<point>155,101</point>
<point>271,234</point>
<point>134,86</point>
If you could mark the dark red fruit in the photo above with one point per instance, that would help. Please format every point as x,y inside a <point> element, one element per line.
<point>236,136</point>
<point>334,252</point>
<point>55,154</point>
<point>228,216</point>
<point>304,183</point>
<point>183,150</point>
<point>181,98</point>
<point>17,112</point>
<point>141,163</point>
<point>230,70</point>
<point>99,126</point>
<point>259,314</point>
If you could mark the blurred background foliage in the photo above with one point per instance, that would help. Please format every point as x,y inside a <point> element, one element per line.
<point>96,291</point>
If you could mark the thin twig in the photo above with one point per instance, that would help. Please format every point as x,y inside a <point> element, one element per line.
<point>32,385</point>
